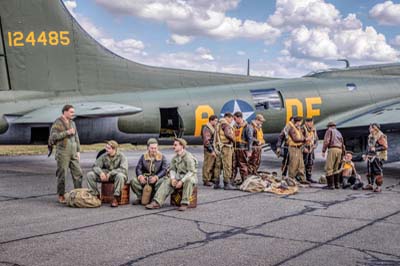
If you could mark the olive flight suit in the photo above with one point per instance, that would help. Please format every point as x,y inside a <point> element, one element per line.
<point>224,144</point>
<point>255,158</point>
<point>296,163</point>
<point>66,154</point>
<point>116,166</point>
<point>207,134</point>
<point>182,168</point>
<point>243,144</point>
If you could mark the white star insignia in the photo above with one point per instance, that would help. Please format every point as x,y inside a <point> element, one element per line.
<point>236,108</point>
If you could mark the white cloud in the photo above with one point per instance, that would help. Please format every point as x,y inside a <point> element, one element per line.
<point>351,22</point>
<point>291,13</point>
<point>314,43</point>
<point>396,41</point>
<point>180,39</point>
<point>85,22</point>
<point>316,35</point>
<point>326,44</point>
<point>205,53</point>
<point>319,32</point>
<point>194,18</point>
<point>386,13</point>
<point>71,5</point>
<point>368,45</point>
<point>126,48</point>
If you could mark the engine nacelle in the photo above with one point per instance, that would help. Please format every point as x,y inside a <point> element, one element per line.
<point>3,125</point>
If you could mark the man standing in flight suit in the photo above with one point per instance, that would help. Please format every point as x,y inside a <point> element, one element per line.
<point>224,139</point>
<point>309,133</point>
<point>208,135</point>
<point>258,136</point>
<point>243,146</point>
<point>282,147</point>
<point>64,135</point>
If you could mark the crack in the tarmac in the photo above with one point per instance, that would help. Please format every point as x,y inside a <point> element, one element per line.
<point>224,234</point>
<point>118,220</point>
<point>365,251</point>
<point>336,238</point>
<point>235,231</point>
<point>374,260</point>
<point>7,263</point>
<point>349,218</point>
<point>29,197</point>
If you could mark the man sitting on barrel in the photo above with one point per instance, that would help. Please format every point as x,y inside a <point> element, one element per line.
<point>182,174</point>
<point>111,166</point>
<point>150,170</point>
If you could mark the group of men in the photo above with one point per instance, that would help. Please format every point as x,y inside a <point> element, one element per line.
<point>152,168</point>
<point>227,149</point>
<point>296,144</point>
<point>299,142</point>
<point>231,149</point>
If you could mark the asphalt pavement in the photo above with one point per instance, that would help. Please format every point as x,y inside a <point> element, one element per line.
<point>312,227</point>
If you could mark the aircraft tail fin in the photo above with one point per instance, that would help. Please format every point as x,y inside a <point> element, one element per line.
<point>43,48</point>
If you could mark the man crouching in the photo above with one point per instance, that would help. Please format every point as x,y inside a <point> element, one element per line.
<point>183,173</point>
<point>111,166</point>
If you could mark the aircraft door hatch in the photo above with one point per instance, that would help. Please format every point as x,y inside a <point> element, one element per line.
<point>39,135</point>
<point>171,123</point>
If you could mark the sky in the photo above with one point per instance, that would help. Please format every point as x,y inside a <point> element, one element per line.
<point>282,38</point>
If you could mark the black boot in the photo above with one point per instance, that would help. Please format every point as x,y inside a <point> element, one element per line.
<point>329,181</point>
<point>228,186</point>
<point>216,184</point>
<point>336,179</point>
<point>312,181</point>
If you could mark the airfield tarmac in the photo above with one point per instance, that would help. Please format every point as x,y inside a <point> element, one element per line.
<point>313,227</point>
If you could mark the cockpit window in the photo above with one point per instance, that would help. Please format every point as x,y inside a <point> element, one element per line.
<point>267,99</point>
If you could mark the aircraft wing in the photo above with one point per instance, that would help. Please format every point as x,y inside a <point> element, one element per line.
<point>83,109</point>
<point>385,113</point>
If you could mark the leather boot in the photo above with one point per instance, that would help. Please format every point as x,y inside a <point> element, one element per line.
<point>336,179</point>
<point>61,199</point>
<point>114,202</point>
<point>329,181</point>
<point>216,185</point>
<point>228,186</point>
<point>153,205</point>
<point>312,181</point>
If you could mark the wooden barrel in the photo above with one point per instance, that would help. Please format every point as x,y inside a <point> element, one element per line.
<point>107,193</point>
<point>176,198</point>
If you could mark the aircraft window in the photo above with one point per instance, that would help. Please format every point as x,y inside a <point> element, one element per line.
<point>351,86</point>
<point>265,99</point>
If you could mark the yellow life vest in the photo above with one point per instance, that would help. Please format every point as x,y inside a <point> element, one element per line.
<point>221,134</point>
<point>260,136</point>
<point>291,142</point>
<point>239,133</point>
<point>309,133</point>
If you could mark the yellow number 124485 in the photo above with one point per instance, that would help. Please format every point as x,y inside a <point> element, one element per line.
<point>52,38</point>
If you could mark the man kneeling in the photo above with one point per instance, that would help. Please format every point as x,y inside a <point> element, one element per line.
<point>111,166</point>
<point>183,173</point>
<point>151,169</point>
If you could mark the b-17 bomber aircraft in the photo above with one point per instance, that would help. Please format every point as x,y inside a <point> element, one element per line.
<point>47,60</point>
